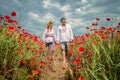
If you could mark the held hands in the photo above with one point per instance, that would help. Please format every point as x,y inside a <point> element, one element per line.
<point>57,42</point>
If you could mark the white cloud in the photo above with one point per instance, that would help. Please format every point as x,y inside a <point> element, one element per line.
<point>17,2</point>
<point>68,14</point>
<point>89,11</point>
<point>56,5</point>
<point>84,1</point>
<point>42,18</point>
<point>76,22</point>
<point>93,11</point>
<point>80,11</point>
<point>48,4</point>
<point>33,16</point>
<point>86,6</point>
<point>65,8</point>
<point>47,17</point>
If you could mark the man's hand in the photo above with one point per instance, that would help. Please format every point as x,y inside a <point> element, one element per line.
<point>57,42</point>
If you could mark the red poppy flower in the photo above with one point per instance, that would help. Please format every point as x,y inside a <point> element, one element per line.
<point>103,36</point>
<point>95,41</point>
<point>15,21</point>
<point>80,42</point>
<point>32,63</point>
<point>22,53</point>
<point>64,68</point>
<point>37,51</point>
<point>50,58</point>
<point>81,49</point>
<point>96,24</point>
<point>19,27</point>
<point>87,27</point>
<point>81,78</point>
<point>90,51</point>
<point>98,19</point>
<point>108,19</point>
<point>77,61</point>
<point>93,24</point>
<point>13,13</point>
<point>87,35</point>
<point>82,37</point>
<point>72,51</point>
<point>109,30</point>
<point>11,28</point>
<point>30,77</point>
<point>119,24</point>
<point>7,17</point>
<point>79,67</point>
<point>35,71</point>
<point>35,38</point>
<point>96,32</point>
<point>22,61</point>
<point>114,28</point>
<point>103,27</point>
<point>9,20</point>
<point>34,57</point>
<point>1,17</point>
<point>72,44</point>
<point>87,56</point>
<point>42,63</point>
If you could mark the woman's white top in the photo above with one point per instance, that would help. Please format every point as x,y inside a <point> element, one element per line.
<point>49,35</point>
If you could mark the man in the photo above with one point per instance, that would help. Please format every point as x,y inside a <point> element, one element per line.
<point>64,36</point>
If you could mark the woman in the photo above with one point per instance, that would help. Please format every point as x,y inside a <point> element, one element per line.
<point>49,36</point>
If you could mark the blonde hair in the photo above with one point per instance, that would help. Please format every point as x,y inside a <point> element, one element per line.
<point>49,24</point>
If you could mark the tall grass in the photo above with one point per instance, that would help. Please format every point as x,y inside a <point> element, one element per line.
<point>94,56</point>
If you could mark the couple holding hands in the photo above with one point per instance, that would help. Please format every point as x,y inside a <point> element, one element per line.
<point>63,37</point>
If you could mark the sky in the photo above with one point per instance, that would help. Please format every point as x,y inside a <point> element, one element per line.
<point>33,15</point>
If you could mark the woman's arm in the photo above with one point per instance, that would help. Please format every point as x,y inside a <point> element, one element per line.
<point>71,33</point>
<point>54,36</point>
<point>58,35</point>
<point>43,36</point>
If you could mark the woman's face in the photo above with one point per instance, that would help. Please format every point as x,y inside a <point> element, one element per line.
<point>50,26</point>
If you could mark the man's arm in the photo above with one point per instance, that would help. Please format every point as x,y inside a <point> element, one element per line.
<point>58,35</point>
<point>71,34</point>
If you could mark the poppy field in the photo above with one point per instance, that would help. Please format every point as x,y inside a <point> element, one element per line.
<point>92,56</point>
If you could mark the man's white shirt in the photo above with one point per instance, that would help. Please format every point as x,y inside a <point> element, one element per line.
<point>64,33</point>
